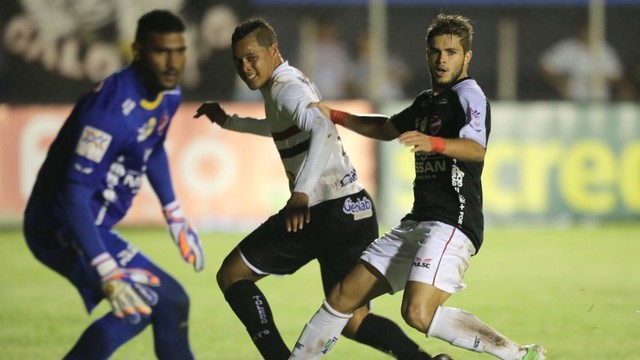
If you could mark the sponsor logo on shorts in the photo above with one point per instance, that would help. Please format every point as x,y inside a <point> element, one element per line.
<point>360,208</point>
<point>422,262</point>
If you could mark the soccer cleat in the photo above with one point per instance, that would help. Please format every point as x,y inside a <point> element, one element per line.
<point>442,357</point>
<point>534,352</point>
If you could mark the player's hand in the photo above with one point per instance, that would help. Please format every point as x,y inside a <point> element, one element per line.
<point>213,111</point>
<point>416,140</point>
<point>326,111</point>
<point>128,290</point>
<point>297,212</point>
<point>184,236</point>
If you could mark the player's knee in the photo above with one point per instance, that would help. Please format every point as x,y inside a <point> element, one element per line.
<point>417,317</point>
<point>342,300</point>
<point>173,297</point>
<point>232,270</point>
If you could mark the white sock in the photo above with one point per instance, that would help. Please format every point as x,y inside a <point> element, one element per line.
<point>465,330</point>
<point>320,333</point>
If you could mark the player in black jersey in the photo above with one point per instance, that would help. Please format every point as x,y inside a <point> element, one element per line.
<point>447,128</point>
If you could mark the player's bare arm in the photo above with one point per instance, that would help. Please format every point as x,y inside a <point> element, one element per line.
<point>213,111</point>
<point>461,149</point>
<point>373,126</point>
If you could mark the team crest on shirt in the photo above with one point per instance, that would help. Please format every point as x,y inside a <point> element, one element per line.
<point>162,125</point>
<point>361,208</point>
<point>435,123</point>
<point>147,129</point>
<point>93,143</point>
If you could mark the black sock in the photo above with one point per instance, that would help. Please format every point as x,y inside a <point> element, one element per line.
<point>252,308</point>
<point>386,336</point>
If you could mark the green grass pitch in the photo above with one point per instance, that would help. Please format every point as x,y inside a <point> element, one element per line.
<point>575,290</point>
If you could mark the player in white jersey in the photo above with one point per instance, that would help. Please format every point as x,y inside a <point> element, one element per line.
<point>447,129</point>
<point>329,216</point>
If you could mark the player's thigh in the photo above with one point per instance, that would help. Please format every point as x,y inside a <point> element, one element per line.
<point>344,228</point>
<point>442,258</point>
<point>272,250</point>
<point>393,254</point>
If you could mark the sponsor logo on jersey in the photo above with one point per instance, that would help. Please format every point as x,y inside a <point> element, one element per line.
<point>147,129</point>
<point>128,106</point>
<point>422,262</point>
<point>361,208</point>
<point>81,169</point>
<point>474,116</point>
<point>457,180</point>
<point>427,167</point>
<point>352,176</point>
<point>126,255</point>
<point>93,143</point>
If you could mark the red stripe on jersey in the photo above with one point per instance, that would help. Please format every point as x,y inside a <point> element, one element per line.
<point>285,134</point>
<point>442,255</point>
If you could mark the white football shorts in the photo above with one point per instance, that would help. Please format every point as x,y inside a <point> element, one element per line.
<point>429,252</point>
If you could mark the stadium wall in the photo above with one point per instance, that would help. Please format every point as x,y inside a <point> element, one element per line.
<point>547,161</point>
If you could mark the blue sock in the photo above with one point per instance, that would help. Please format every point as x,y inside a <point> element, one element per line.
<point>101,339</point>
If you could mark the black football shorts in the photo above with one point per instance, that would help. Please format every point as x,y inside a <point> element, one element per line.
<point>337,234</point>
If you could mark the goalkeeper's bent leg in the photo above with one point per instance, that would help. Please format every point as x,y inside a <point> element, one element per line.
<point>171,321</point>
<point>320,333</point>
<point>102,338</point>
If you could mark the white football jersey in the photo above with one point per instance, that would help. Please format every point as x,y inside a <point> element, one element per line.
<point>307,141</point>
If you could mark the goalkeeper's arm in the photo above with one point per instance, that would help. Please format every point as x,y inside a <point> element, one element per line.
<point>79,218</point>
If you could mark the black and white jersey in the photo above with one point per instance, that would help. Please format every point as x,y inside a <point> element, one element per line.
<point>446,189</point>
<point>308,143</point>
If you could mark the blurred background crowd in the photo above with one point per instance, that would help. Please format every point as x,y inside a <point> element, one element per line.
<point>523,49</point>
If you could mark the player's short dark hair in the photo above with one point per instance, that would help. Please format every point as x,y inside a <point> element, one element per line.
<point>157,21</point>
<point>458,25</point>
<point>260,28</point>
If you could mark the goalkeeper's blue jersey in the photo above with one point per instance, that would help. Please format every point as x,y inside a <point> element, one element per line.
<point>105,144</point>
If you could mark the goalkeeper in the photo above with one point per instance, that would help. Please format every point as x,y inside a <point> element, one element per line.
<point>113,138</point>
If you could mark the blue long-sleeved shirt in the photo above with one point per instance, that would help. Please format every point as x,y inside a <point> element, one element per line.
<point>94,168</point>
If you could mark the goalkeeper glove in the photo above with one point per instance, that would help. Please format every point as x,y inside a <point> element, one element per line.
<point>127,290</point>
<point>184,236</point>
